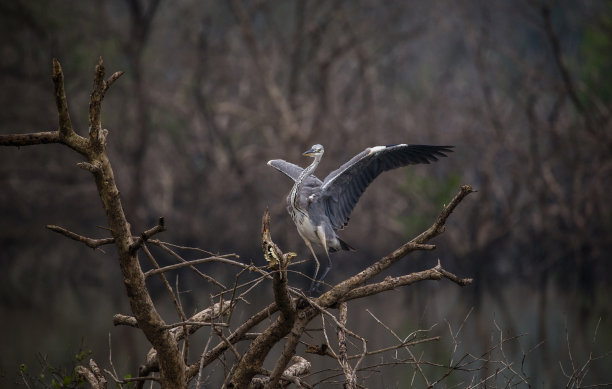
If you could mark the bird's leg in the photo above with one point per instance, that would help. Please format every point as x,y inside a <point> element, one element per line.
<point>314,276</point>
<point>316,283</point>
<point>326,269</point>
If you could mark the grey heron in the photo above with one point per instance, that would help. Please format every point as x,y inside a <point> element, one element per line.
<point>320,208</point>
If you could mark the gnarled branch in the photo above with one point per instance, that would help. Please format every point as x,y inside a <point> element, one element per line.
<point>293,326</point>
<point>172,366</point>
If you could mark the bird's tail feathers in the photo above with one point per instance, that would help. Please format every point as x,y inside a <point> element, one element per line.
<point>346,246</point>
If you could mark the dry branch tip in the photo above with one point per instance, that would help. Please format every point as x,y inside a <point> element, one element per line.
<point>57,68</point>
<point>89,167</point>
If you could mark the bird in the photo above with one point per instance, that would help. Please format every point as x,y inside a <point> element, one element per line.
<point>320,208</point>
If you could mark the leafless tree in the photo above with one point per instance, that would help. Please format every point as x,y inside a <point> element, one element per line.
<point>290,312</point>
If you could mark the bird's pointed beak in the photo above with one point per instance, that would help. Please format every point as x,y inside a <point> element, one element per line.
<point>309,153</point>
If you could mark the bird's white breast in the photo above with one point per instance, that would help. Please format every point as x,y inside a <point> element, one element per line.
<point>307,230</point>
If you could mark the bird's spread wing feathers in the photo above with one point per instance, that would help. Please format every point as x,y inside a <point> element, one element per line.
<point>293,171</point>
<point>342,188</point>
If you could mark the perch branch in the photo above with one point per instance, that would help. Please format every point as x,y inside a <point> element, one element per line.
<point>390,283</point>
<point>418,243</point>
<point>252,360</point>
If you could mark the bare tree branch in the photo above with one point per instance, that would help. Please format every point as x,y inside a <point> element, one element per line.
<point>90,242</point>
<point>280,261</point>
<point>65,124</point>
<point>329,298</point>
<point>294,325</point>
<point>295,310</point>
<point>389,283</point>
<point>239,334</point>
<point>92,375</point>
<point>299,367</point>
<point>93,148</point>
<point>160,227</point>
<point>35,138</point>
<point>349,374</point>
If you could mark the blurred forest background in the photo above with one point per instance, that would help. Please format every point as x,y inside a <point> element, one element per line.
<point>213,90</point>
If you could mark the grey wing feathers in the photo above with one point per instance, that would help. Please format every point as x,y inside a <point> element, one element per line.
<point>343,187</point>
<point>292,171</point>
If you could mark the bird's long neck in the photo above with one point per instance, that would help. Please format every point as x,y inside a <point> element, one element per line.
<point>308,171</point>
<point>299,183</point>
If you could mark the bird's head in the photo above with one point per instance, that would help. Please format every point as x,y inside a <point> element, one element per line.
<point>315,151</point>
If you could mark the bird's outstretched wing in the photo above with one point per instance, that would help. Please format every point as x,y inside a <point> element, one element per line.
<point>293,171</point>
<point>342,188</point>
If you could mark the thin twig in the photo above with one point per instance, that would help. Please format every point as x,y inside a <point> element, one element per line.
<point>160,227</point>
<point>418,366</point>
<point>395,347</point>
<point>164,280</point>
<point>90,242</point>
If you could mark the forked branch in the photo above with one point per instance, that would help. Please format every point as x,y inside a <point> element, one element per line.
<point>293,325</point>
<point>172,366</point>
